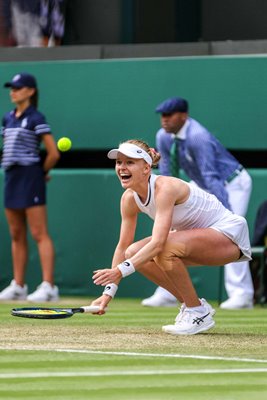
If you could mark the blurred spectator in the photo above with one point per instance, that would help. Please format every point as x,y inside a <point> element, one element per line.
<point>260,228</point>
<point>260,239</point>
<point>32,23</point>
<point>25,17</point>
<point>6,37</point>
<point>52,21</point>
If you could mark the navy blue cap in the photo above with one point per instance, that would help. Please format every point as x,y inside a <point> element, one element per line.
<point>22,80</point>
<point>174,104</point>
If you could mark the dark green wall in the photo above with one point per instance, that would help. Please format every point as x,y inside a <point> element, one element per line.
<point>99,103</point>
<point>84,219</point>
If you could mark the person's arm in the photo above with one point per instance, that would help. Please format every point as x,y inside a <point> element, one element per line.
<point>3,127</point>
<point>52,153</point>
<point>169,191</point>
<point>163,143</point>
<point>165,200</point>
<point>129,213</point>
<point>204,155</point>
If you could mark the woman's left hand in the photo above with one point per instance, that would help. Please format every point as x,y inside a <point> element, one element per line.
<point>104,276</point>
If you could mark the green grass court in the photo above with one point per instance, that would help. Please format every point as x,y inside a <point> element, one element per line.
<point>124,355</point>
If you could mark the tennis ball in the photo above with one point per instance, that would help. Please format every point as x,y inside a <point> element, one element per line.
<point>64,144</point>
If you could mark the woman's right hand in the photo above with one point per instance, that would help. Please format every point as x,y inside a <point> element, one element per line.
<point>102,302</point>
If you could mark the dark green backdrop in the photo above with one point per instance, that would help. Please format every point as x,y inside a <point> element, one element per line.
<point>99,103</point>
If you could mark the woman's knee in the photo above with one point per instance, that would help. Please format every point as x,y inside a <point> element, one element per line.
<point>170,254</point>
<point>18,234</point>
<point>38,233</point>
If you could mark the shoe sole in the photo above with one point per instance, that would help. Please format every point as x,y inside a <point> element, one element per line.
<point>202,329</point>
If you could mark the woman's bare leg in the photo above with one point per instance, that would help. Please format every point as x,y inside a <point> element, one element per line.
<point>18,231</point>
<point>177,281</point>
<point>185,248</point>
<point>37,221</point>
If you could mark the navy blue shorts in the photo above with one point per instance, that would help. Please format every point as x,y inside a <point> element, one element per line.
<point>25,186</point>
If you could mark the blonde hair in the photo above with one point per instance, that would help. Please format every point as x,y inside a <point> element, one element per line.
<point>152,152</point>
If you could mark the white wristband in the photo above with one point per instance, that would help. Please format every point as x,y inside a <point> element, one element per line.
<point>126,268</point>
<point>111,289</point>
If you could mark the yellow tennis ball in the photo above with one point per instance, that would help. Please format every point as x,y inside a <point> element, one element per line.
<point>64,144</point>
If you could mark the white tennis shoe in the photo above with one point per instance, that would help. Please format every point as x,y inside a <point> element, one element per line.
<point>237,303</point>
<point>44,293</point>
<point>191,322</point>
<point>14,292</point>
<point>203,303</point>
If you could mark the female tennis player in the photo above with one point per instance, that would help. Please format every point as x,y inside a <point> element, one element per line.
<point>191,227</point>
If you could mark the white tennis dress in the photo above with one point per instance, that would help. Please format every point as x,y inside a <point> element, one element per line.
<point>201,210</point>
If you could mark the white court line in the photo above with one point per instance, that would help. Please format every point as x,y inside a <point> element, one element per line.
<point>67,374</point>
<point>135,354</point>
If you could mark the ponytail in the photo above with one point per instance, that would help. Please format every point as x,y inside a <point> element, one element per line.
<point>34,99</point>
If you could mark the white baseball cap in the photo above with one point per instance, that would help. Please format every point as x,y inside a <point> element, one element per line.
<point>130,150</point>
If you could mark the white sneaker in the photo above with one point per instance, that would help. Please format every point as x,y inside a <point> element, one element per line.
<point>44,292</point>
<point>161,298</point>
<point>190,322</point>
<point>237,303</point>
<point>203,303</point>
<point>14,292</point>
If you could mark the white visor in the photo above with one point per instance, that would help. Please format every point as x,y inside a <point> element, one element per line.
<point>130,150</point>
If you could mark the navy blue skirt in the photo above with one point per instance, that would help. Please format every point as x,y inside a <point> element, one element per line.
<point>24,187</point>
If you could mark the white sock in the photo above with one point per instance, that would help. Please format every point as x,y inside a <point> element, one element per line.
<point>200,309</point>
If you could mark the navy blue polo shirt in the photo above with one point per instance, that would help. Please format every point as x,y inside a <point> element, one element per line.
<point>22,137</point>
